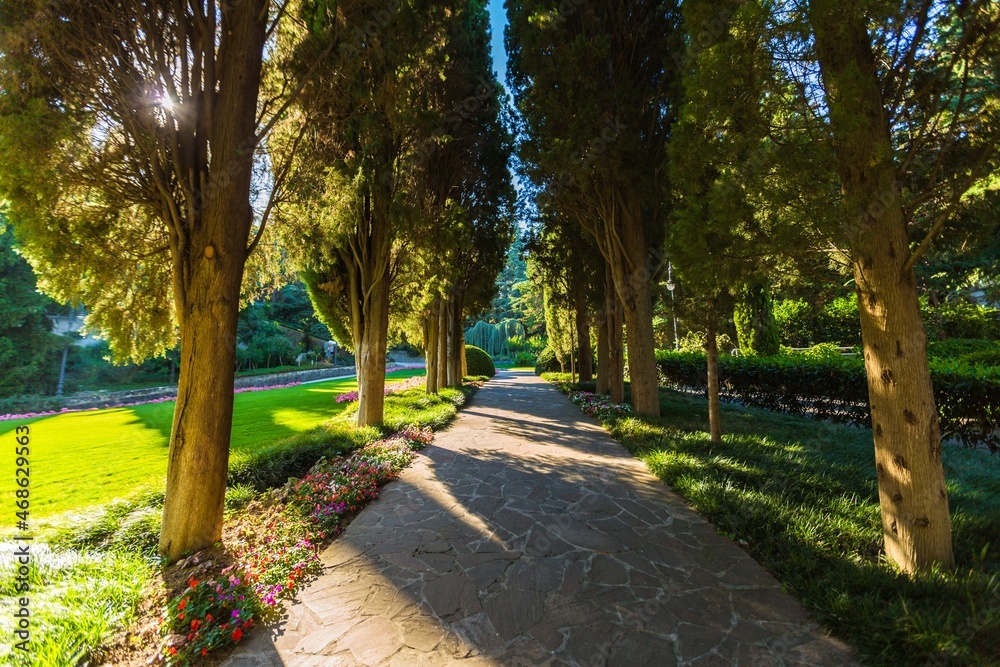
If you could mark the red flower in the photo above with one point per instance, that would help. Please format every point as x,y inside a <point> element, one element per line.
<point>204,651</point>
<point>192,582</point>
<point>172,650</point>
<point>182,604</point>
<point>237,635</point>
<point>208,618</point>
<point>194,624</point>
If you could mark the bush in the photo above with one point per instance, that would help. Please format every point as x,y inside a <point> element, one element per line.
<point>960,320</point>
<point>836,388</point>
<point>477,362</point>
<point>546,362</point>
<point>523,359</point>
<point>956,348</point>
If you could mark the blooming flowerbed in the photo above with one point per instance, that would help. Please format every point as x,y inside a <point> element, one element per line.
<point>599,406</point>
<point>409,383</point>
<point>278,547</point>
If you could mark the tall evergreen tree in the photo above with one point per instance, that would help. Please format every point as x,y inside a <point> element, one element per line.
<point>610,62</point>
<point>128,132</point>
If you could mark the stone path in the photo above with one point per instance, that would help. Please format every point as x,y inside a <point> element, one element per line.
<point>526,536</point>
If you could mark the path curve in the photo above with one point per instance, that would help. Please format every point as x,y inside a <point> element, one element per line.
<point>525,535</point>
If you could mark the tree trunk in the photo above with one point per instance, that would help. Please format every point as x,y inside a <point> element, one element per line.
<point>455,335</point>
<point>572,354</point>
<point>632,276</point>
<point>616,356</point>
<point>442,352</point>
<point>207,278</point>
<point>586,355</point>
<point>370,356</point>
<point>430,347</point>
<point>461,354</point>
<point>603,386</point>
<point>712,355</point>
<point>915,515</point>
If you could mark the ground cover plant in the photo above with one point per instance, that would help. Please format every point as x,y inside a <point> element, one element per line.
<point>800,496</point>
<point>275,527</point>
<point>126,448</point>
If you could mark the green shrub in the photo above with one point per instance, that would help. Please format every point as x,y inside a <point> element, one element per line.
<point>523,359</point>
<point>836,388</point>
<point>956,348</point>
<point>477,362</point>
<point>960,320</point>
<point>795,320</point>
<point>546,362</point>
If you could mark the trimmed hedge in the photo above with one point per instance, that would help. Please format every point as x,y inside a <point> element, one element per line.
<point>968,397</point>
<point>477,362</point>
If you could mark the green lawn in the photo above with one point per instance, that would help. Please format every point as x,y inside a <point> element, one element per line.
<point>82,459</point>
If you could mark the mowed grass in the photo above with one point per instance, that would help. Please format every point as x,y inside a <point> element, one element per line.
<point>83,459</point>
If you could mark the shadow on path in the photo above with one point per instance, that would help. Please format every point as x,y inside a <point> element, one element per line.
<point>526,536</point>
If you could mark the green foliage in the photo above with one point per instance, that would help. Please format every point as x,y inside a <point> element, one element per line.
<point>835,387</point>
<point>481,335</point>
<point>78,601</point>
<point>28,351</point>
<point>260,342</point>
<point>547,362</point>
<point>478,362</point>
<point>960,319</point>
<point>801,325</point>
<point>801,497</point>
<point>756,329</point>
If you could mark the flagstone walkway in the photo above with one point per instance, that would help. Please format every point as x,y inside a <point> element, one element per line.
<point>526,536</point>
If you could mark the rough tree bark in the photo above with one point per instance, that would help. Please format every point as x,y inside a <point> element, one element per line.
<point>455,335</point>
<point>911,484</point>
<point>208,271</point>
<point>586,355</point>
<point>603,386</point>
<point>370,354</point>
<point>430,347</point>
<point>616,357</point>
<point>712,355</point>
<point>442,351</point>
<point>632,282</point>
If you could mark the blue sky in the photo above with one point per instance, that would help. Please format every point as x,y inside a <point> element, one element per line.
<point>498,19</point>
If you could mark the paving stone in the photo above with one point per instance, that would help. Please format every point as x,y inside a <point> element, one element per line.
<point>642,648</point>
<point>525,536</point>
<point>373,640</point>
<point>514,610</point>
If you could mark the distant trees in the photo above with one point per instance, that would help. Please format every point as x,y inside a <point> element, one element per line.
<point>594,85</point>
<point>400,186</point>
<point>27,345</point>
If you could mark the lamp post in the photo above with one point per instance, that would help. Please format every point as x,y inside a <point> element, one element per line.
<point>673,306</point>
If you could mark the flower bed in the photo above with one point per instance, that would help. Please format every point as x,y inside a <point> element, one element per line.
<point>278,547</point>
<point>599,406</point>
<point>409,383</point>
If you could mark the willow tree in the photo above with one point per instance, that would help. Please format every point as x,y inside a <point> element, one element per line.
<point>128,132</point>
<point>609,62</point>
<point>913,115</point>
